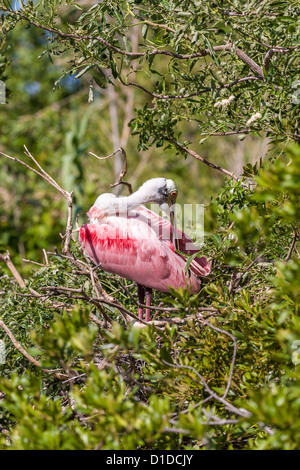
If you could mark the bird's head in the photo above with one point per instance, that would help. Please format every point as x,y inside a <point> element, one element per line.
<point>164,192</point>
<point>159,190</point>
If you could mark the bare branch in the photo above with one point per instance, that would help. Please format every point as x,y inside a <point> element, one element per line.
<point>267,59</point>
<point>160,26</point>
<point>242,131</point>
<point>186,95</point>
<point>18,346</point>
<point>219,330</point>
<point>106,298</point>
<point>31,359</point>
<point>46,177</point>
<point>7,260</point>
<point>292,247</point>
<point>212,394</point>
<point>250,62</point>
<point>124,170</point>
<point>202,159</point>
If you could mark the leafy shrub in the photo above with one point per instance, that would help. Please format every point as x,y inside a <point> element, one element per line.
<point>186,384</point>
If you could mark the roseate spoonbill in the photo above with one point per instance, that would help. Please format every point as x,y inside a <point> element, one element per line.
<point>126,238</point>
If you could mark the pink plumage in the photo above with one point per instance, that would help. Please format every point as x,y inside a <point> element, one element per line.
<point>138,246</point>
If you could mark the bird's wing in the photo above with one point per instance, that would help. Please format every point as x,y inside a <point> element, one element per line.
<point>129,248</point>
<point>163,229</point>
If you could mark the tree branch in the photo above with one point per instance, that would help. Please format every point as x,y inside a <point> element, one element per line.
<point>250,62</point>
<point>46,177</point>
<point>290,252</point>
<point>31,359</point>
<point>267,59</point>
<point>201,53</point>
<point>124,170</point>
<point>7,260</point>
<point>187,95</point>
<point>18,346</point>
<point>202,159</point>
<point>212,394</point>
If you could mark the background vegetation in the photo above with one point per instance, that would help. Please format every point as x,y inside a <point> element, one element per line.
<point>206,93</point>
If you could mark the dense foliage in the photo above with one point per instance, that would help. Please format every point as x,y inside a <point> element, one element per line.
<point>221,368</point>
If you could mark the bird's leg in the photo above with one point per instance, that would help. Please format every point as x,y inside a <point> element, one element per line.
<point>148,292</point>
<point>141,295</point>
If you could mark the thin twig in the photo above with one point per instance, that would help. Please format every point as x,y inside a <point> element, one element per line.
<point>267,59</point>
<point>233,409</point>
<point>187,95</point>
<point>124,170</point>
<point>109,300</point>
<point>18,346</point>
<point>46,177</point>
<point>7,260</point>
<point>202,159</point>
<point>33,262</point>
<point>28,356</point>
<point>290,252</point>
<point>219,330</point>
